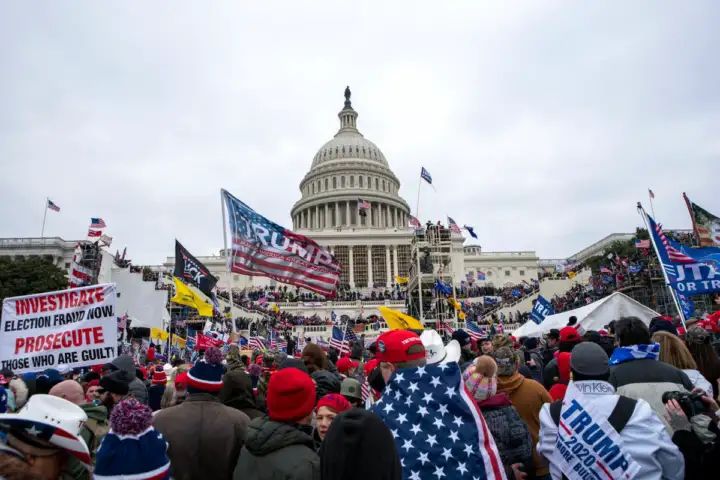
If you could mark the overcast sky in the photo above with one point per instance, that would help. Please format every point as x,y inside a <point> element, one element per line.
<point>542,123</point>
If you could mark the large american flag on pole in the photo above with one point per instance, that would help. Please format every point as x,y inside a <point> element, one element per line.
<point>262,247</point>
<point>439,430</point>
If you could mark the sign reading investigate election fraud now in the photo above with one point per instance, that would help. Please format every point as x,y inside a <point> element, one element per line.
<point>75,327</point>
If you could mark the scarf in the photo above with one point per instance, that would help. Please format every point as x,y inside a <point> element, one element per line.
<point>635,352</point>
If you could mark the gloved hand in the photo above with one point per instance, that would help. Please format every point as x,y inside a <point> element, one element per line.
<point>676,417</point>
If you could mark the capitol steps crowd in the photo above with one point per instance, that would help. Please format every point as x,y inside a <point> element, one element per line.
<point>271,415</point>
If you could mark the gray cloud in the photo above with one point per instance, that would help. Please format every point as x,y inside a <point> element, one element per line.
<point>542,125</point>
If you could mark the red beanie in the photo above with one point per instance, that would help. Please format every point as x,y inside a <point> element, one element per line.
<point>563,363</point>
<point>290,395</point>
<point>335,402</point>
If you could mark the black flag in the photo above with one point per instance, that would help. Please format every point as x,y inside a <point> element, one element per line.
<point>192,271</point>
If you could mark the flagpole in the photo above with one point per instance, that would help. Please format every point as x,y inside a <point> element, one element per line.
<point>227,262</point>
<point>652,207</point>
<point>417,204</point>
<point>673,293</point>
<point>42,232</point>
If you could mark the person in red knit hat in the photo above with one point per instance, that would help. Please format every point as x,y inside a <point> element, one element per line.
<point>280,445</point>
<point>557,391</point>
<point>327,408</point>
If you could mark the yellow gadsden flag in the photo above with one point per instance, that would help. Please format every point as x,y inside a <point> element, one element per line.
<point>191,297</point>
<point>401,280</point>
<point>399,321</point>
<point>157,333</point>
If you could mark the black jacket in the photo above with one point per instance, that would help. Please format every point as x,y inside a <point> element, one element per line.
<point>277,450</point>
<point>700,459</point>
<point>237,393</point>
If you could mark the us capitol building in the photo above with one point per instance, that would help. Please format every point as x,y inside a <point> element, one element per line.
<point>373,245</point>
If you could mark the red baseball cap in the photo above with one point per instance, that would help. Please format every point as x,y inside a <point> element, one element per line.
<point>346,363</point>
<point>397,346</point>
<point>370,366</point>
<point>570,335</point>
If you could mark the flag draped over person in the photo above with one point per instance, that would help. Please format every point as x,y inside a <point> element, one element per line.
<point>192,270</point>
<point>439,430</point>
<point>262,247</point>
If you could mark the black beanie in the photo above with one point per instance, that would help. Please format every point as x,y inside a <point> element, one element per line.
<point>359,446</point>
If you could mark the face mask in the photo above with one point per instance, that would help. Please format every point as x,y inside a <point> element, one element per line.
<point>376,380</point>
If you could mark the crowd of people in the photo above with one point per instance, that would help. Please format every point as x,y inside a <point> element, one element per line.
<point>320,414</point>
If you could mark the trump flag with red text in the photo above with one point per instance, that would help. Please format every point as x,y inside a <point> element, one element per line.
<point>75,327</point>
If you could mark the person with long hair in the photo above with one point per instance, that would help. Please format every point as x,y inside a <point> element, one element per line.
<point>674,352</point>
<point>706,358</point>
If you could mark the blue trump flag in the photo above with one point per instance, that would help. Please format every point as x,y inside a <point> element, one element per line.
<point>687,305</point>
<point>425,175</point>
<point>438,428</point>
<point>541,309</point>
<point>442,287</point>
<point>690,271</point>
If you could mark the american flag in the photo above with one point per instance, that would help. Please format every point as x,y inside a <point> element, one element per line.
<point>439,430</point>
<point>651,193</point>
<point>675,255</point>
<point>414,222</point>
<point>473,330</point>
<point>443,325</point>
<point>366,390</point>
<point>52,206</point>
<point>363,204</point>
<point>642,243</point>
<point>277,342</point>
<point>339,341</point>
<point>257,343</point>
<point>453,226</point>
<point>264,248</point>
<point>97,223</point>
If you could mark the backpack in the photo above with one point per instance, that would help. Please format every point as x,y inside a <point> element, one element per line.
<point>618,418</point>
<point>97,431</point>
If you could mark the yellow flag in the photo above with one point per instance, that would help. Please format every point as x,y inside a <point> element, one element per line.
<point>274,308</point>
<point>399,321</point>
<point>401,280</point>
<point>571,275</point>
<point>158,333</point>
<point>191,297</point>
<point>179,341</point>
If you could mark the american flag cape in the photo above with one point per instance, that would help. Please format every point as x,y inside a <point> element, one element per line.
<point>439,430</point>
<point>262,247</point>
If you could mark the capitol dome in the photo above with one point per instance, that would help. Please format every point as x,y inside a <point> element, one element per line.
<point>349,172</point>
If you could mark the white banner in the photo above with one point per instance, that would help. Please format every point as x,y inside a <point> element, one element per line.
<point>587,446</point>
<point>75,327</point>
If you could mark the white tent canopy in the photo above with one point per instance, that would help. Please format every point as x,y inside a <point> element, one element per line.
<point>593,316</point>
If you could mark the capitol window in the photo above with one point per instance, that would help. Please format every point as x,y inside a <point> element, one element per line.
<point>377,184</point>
<point>352,181</point>
<point>507,273</point>
<point>334,182</point>
<point>326,184</point>
<point>522,273</point>
<point>342,182</point>
<point>360,181</point>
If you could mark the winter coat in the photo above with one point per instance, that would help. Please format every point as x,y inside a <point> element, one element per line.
<point>155,394</point>
<point>698,381</point>
<point>700,458</point>
<point>649,379</point>
<point>92,433</point>
<point>205,437</point>
<point>275,450</point>
<point>644,436</point>
<point>125,364</point>
<point>509,431</point>
<point>550,373</point>
<point>326,382</point>
<point>237,392</point>
<point>527,396</point>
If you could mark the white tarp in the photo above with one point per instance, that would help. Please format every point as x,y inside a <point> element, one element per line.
<point>593,316</point>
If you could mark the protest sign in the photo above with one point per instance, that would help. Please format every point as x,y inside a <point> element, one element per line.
<point>587,445</point>
<point>75,327</point>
